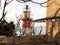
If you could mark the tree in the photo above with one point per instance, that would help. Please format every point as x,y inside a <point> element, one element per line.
<point>33,29</point>
<point>40,30</point>
<point>4,13</point>
<point>7,29</point>
<point>18,28</point>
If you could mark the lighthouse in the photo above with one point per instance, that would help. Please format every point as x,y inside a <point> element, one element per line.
<point>26,21</point>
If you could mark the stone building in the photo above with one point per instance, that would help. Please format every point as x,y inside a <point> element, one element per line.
<point>53,10</point>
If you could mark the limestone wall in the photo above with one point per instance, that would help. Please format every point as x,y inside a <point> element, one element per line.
<point>24,39</point>
<point>3,39</point>
<point>54,5</point>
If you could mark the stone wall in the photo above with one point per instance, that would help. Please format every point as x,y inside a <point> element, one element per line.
<point>53,10</point>
<point>26,40</point>
<point>36,39</point>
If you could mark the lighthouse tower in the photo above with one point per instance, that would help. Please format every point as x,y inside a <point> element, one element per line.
<point>26,21</point>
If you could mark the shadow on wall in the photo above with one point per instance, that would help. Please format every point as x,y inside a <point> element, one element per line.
<point>57,38</point>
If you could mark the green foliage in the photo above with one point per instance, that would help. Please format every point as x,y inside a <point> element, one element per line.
<point>7,29</point>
